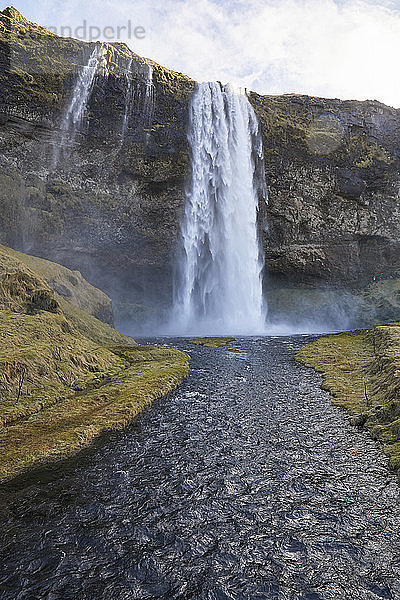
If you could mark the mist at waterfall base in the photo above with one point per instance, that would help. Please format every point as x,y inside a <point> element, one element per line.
<point>291,311</point>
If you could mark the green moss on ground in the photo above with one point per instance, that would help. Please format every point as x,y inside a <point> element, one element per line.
<point>362,371</point>
<point>65,376</point>
<point>211,342</point>
<point>136,376</point>
<point>216,342</point>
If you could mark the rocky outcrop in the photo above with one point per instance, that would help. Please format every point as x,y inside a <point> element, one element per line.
<point>113,205</point>
<point>67,284</point>
<point>333,177</point>
<point>27,288</point>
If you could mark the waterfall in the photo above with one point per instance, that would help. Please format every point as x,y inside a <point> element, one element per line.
<point>76,108</point>
<point>149,97</point>
<point>218,284</point>
<point>128,99</point>
<point>143,95</point>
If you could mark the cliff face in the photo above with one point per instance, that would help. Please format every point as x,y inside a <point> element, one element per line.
<point>113,204</point>
<point>332,171</point>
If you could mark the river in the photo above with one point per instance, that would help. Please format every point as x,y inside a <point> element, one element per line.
<point>243,484</point>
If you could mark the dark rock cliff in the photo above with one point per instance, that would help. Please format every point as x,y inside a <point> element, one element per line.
<point>113,205</point>
<point>332,171</point>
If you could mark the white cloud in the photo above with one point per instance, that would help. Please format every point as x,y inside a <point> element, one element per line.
<point>342,48</point>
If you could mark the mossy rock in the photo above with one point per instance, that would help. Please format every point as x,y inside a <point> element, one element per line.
<point>212,342</point>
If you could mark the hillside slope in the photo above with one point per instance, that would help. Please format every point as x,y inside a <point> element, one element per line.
<point>65,377</point>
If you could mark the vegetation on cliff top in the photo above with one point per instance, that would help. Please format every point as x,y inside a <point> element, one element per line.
<point>39,63</point>
<point>318,127</point>
<point>66,377</point>
<point>362,371</point>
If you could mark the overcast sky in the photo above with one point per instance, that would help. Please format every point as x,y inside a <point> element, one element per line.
<point>332,48</point>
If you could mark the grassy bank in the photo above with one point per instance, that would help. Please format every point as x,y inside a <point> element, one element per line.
<point>71,421</point>
<point>361,369</point>
<point>65,376</point>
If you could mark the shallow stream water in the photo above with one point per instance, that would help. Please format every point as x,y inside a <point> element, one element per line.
<point>244,484</point>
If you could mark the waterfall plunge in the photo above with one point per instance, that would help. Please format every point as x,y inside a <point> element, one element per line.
<point>219,280</point>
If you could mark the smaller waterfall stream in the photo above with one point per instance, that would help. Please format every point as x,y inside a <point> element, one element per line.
<point>80,96</point>
<point>219,280</point>
<point>149,98</point>
<point>76,108</point>
<point>140,91</point>
<point>128,99</point>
